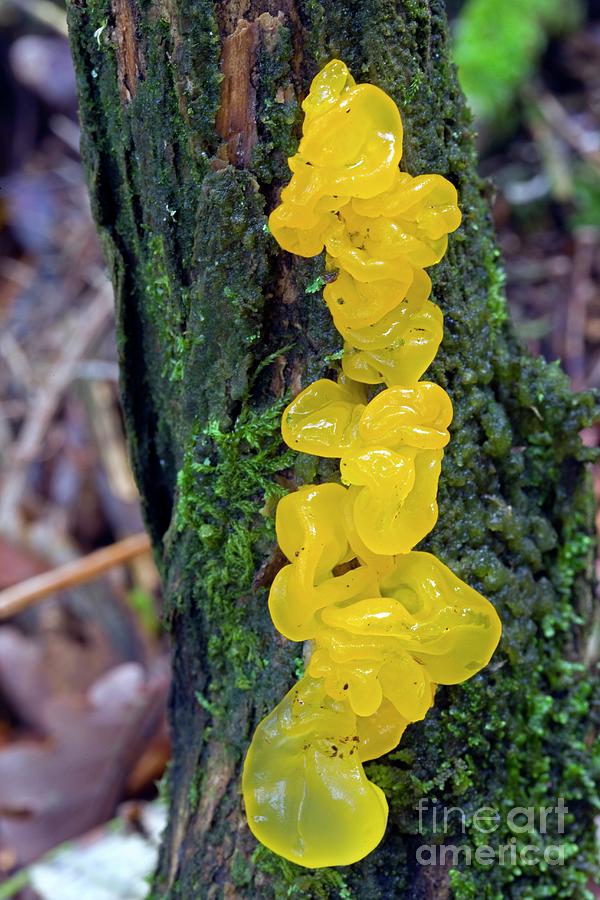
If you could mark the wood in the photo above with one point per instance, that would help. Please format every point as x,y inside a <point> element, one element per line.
<point>130,62</point>
<point>236,121</point>
<point>216,327</point>
<point>88,327</point>
<point>21,596</point>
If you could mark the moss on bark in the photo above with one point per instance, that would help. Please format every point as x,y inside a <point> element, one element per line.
<point>215,328</point>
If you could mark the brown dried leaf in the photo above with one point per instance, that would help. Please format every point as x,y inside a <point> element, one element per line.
<point>58,787</point>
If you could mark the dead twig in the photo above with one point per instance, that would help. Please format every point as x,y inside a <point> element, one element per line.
<point>110,443</point>
<point>21,596</point>
<point>558,118</point>
<point>88,326</point>
<point>44,12</point>
<point>16,360</point>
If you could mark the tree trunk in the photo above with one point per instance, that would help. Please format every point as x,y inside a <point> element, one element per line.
<point>189,109</point>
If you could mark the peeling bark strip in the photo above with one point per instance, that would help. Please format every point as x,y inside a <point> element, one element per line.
<point>236,120</point>
<point>130,62</point>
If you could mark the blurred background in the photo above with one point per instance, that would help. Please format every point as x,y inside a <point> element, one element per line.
<point>84,672</point>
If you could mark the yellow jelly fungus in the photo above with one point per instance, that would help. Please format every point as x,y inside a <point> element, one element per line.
<point>394,501</point>
<point>401,363</point>
<point>307,796</point>
<point>384,623</point>
<point>308,531</point>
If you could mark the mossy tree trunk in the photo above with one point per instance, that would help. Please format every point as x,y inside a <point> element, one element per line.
<point>189,109</point>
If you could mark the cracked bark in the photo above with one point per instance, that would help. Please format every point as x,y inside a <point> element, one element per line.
<point>189,109</point>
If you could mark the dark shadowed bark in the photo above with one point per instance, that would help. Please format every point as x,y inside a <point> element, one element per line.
<point>189,110</point>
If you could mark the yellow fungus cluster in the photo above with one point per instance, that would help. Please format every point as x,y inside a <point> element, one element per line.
<point>385,623</point>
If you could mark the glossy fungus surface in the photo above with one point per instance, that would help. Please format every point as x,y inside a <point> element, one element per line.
<point>385,623</point>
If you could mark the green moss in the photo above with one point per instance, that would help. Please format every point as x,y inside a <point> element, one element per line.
<point>226,477</point>
<point>291,880</point>
<point>227,302</point>
<point>241,871</point>
<point>496,298</point>
<point>316,284</point>
<point>299,667</point>
<point>166,310</point>
<point>163,785</point>
<point>277,111</point>
<point>410,93</point>
<point>194,791</point>
<point>215,326</point>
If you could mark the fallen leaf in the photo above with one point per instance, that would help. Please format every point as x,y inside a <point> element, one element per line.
<point>55,788</point>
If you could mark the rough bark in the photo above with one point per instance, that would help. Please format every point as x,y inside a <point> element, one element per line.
<point>189,109</point>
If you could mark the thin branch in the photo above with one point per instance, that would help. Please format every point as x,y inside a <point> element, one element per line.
<point>571,131</point>
<point>45,12</point>
<point>21,596</point>
<point>89,325</point>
